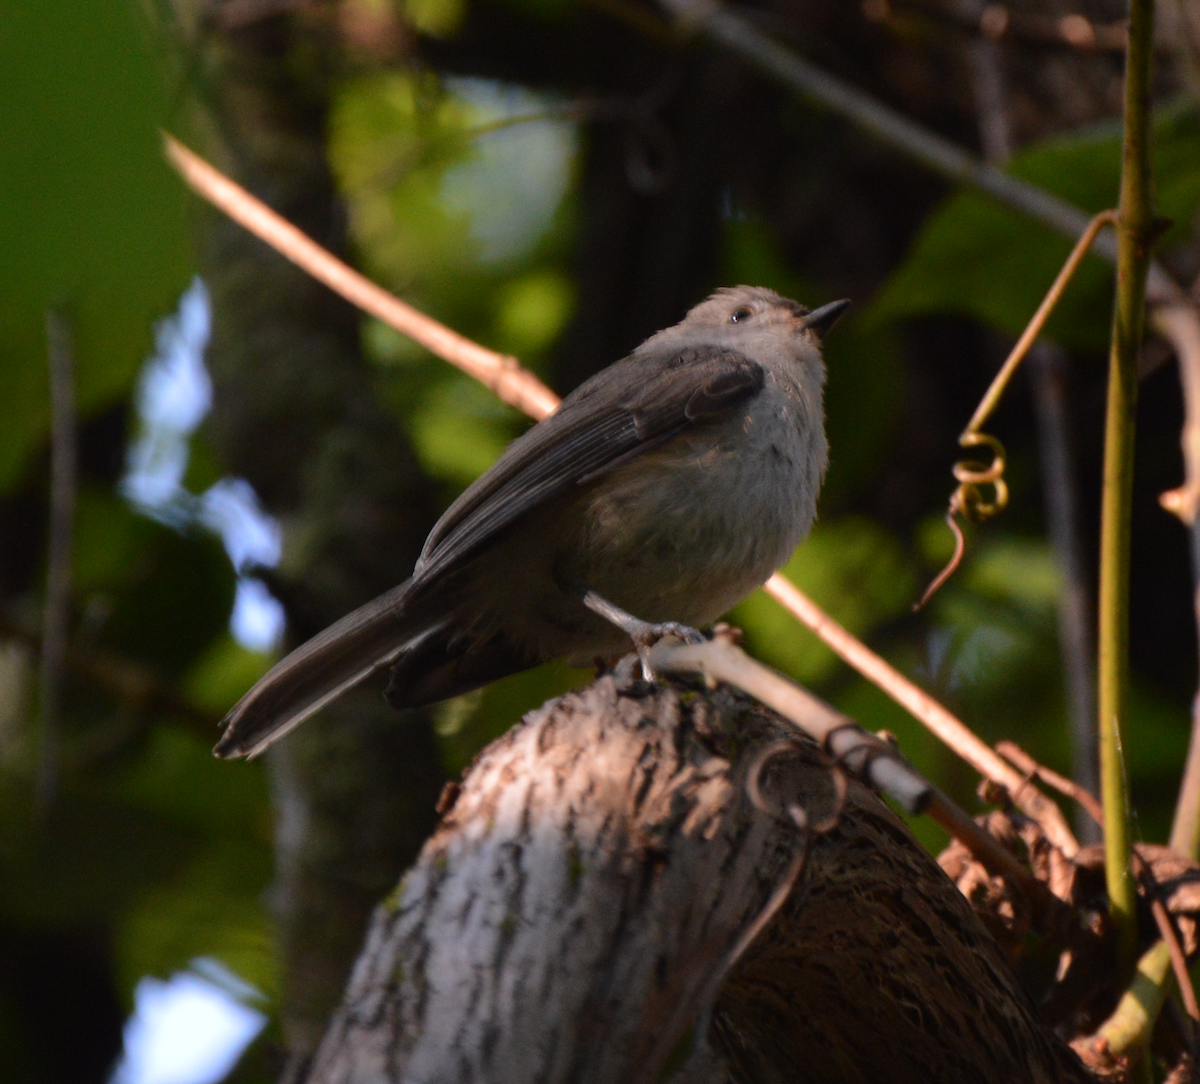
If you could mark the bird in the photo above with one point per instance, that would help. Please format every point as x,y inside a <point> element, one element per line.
<point>659,493</point>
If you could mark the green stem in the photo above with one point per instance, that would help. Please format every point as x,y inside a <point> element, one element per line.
<point>1132,1022</point>
<point>1134,236</point>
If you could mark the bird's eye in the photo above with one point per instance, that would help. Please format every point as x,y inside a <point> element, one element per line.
<point>738,315</point>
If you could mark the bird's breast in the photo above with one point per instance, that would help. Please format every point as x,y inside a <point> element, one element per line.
<point>688,530</point>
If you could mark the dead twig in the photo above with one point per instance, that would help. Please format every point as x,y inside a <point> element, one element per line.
<point>502,374</point>
<point>896,130</point>
<point>946,726</point>
<point>1168,933</point>
<point>1047,366</point>
<point>862,754</point>
<point>1069,787</point>
<point>1180,325</point>
<point>1076,604</point>
<point>135,687</point>
<point>1145,875</point>
<point>997,22</point>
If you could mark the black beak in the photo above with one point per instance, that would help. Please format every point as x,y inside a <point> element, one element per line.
<point>821,320</point>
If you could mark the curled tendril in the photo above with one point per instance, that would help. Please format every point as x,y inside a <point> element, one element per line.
<point>968,501</point>
<point>971,475</point>
<point>795,812</point>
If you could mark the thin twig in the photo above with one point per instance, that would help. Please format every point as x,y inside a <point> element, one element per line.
<point>996,22</point>
<point>1180,325</point>
<point>992,396</point>
<point>1081,795</point>
<point>502,374</point>
<point>864,755</point>
<point>1047,369</point>
<point>886,124</point>
<point>927,710</point>
<point>947,727</point>
<point>56,611</point>
<point>1135,233</point>
<point>897,131</point>
<point>987,85</point>
<point>136,687</point>
<point>956,556</point>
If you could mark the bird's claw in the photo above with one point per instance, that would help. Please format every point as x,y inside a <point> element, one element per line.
<point>644,634</point>
<point>646,637</point>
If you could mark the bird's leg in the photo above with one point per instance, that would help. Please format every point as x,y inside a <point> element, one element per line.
<point>644,634</point>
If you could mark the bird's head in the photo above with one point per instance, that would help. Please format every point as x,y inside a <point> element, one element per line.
<point>759,323</point>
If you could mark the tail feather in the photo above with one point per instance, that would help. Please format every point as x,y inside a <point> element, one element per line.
<point>345,654</point>
<point>446,663</point>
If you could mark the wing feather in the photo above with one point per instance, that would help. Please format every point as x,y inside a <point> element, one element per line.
<point>632,407</point>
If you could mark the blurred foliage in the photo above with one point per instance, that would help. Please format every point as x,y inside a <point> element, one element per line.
<point>860,574</point>
<point>464,196</point>
<point>91,218</point>
<point>978,258</point>
<point>458,199</point>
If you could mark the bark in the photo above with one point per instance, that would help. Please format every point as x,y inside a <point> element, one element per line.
<point>608,885</point>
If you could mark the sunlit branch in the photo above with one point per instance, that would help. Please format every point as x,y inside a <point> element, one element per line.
<point>863,754</point>
<point>502,374</point>
<point>942,723</point>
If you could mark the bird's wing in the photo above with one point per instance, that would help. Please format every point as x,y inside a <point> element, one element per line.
<point>630,408</point>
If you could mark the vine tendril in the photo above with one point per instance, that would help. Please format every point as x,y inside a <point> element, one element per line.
<point>968,499</point>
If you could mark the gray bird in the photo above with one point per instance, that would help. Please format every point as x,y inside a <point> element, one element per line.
<point>670,485</point>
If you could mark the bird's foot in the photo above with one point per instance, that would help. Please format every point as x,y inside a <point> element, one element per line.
<point>644,634</point>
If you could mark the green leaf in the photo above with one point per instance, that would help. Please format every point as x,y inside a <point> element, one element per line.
<point>210,903</point>
<point>174,600</point>
<point>532,311</point>
<point>459,429</point>
<point>214,907</point>
<point>976,257</point>
<point>91,218</point>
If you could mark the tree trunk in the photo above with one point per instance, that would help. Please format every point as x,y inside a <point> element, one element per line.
<point>297,414</point>
<point>610,883</point>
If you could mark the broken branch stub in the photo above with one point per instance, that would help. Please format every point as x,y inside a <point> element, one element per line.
<point>603,886</point>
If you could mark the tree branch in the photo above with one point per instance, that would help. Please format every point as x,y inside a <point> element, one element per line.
<point>605,865</point>
<point>946,726</point>
<point>867,757</point>
<point>499,372</point>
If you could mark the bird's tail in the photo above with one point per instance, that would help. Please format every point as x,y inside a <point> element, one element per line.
<point>345,654</point>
